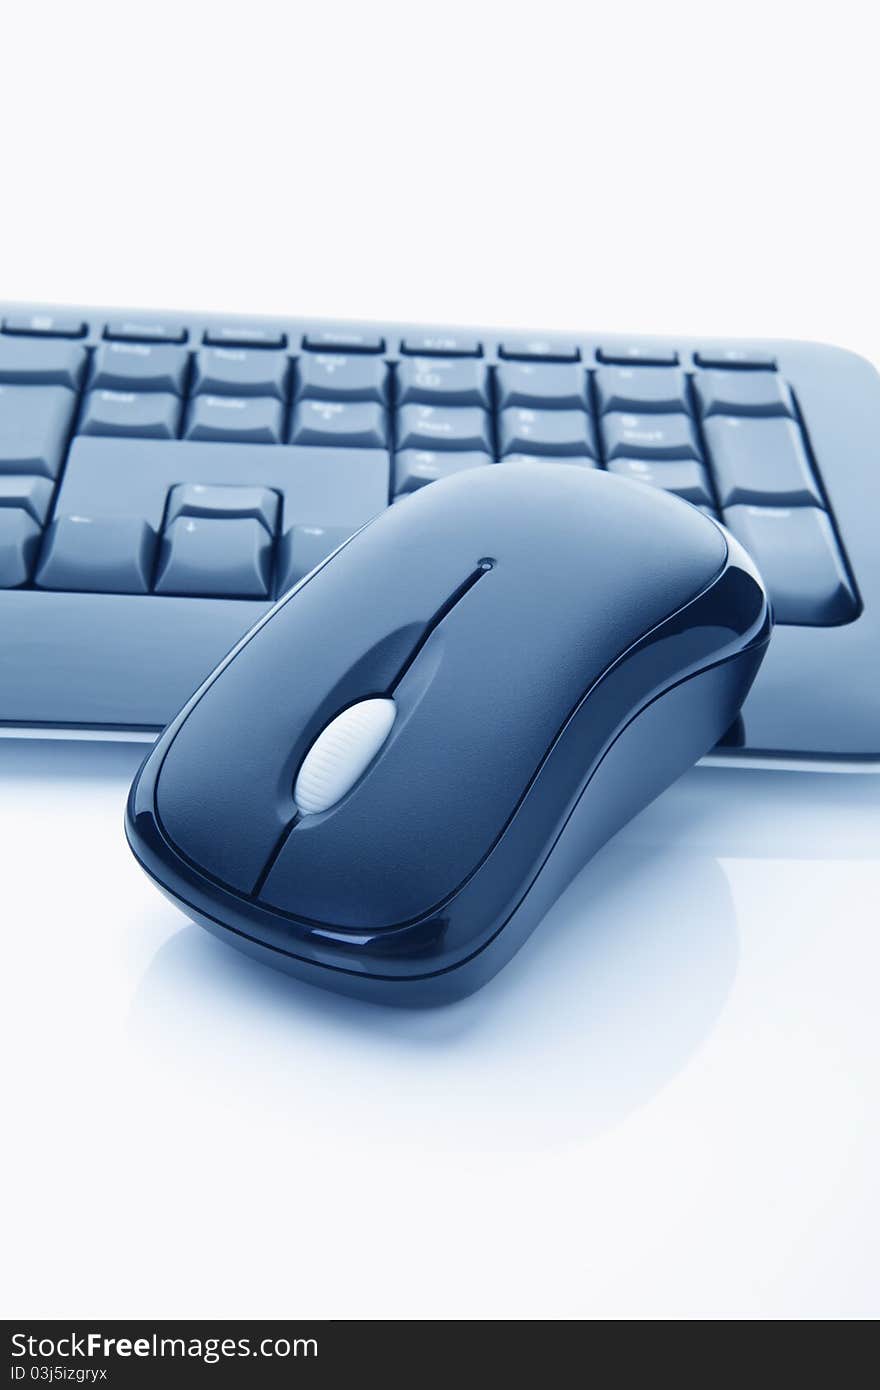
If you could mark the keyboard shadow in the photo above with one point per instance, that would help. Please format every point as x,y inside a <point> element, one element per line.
<point>739,813</point>
<point>58,759</point>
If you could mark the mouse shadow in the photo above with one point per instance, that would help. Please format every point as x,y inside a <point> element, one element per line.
<point>604,1005</point>
<point>610,998</point>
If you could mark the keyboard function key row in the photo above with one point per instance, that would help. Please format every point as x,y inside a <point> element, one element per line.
<point>46,325</point>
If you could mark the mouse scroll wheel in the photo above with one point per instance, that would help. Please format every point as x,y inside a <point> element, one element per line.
<point>341,753</point>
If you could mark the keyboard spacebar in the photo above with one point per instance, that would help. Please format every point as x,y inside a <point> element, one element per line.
<point>127,661</point>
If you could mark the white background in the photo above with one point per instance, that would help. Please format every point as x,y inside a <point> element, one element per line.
<point>667,1106</point>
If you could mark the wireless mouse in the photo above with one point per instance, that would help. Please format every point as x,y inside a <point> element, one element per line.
<point>389,780</point>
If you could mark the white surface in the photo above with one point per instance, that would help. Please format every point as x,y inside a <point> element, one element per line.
<point>668,1104</point>
<point>341,754</point>
<point>665,1106</point>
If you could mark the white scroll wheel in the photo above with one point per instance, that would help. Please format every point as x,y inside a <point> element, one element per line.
<point>341,754</point>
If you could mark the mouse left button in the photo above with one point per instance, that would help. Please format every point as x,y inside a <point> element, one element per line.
<point>225,786</point>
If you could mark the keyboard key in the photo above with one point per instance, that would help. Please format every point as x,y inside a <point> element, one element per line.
<point>562,432</point>
<point>413,468</point>
<point>302,548</point>
<point>539,350</point>
<point>430,427</point>
<point>685,477</point>
<point>742,393</point>
<point>797,554</point>
<point>441,345</point>
<point>551,458</point>
<point>337,340</point>
<point>443,381</point>
<point>543,385</point>
<point>227,371</point>
<point>19,539</point>
<point>204,556</point>
<point>45,325</point>
<point>32,495</point>
<point>237,419</point>
<point>34,363</point>
<point>100,555</point>
<point>734,357</point>
<point>141,415</point>
<point>358,423</point>
<point>132,331</point>
<point>650,437</point>
<point>35,422</point>
<point>334,376</point>
<point>139,367</point>
<point>235,335</point>
<point>760,461</point>
<point>649,389</point>
<point>224,501</point>
<point>641,353</point>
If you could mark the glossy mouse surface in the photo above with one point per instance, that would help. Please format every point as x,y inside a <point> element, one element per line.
<point>388,781</point>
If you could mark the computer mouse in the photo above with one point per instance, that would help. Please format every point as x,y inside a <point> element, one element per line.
<point>388,781</point>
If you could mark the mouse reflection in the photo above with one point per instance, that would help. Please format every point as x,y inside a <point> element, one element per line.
<point>604,1005</point>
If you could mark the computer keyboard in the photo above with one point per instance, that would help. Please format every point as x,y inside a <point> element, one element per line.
<point>164,477</point>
